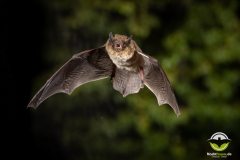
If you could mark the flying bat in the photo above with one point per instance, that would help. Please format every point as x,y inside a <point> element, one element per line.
<point>219,141</point>
<point>119,58</point>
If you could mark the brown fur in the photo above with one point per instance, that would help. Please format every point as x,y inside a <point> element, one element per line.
<point>127,58</point>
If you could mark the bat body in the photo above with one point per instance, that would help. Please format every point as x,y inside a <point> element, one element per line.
<point>122,60</point>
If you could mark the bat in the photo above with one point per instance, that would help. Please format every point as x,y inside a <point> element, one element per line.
<point>119,58</point>
<point>219,141</point>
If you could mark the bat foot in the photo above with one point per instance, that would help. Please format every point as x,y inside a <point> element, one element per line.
<point>111,79</point>
<point>142,84</point>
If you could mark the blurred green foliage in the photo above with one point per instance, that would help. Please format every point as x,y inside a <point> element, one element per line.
<point>197,44</point>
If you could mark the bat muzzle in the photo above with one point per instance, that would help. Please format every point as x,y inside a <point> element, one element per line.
<point>118,46</point>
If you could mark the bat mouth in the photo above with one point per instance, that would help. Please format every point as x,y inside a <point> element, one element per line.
<point>118,46</point>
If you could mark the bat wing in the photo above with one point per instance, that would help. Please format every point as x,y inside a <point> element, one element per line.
<point>83,67</point>
<point>216,142</point>
<point>129,82</point>
<point>219,142</point>
<point>225,141</point>
<point>156,80</point>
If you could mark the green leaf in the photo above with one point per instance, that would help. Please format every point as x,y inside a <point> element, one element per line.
<point>223,145</point>
<point>215,145</point>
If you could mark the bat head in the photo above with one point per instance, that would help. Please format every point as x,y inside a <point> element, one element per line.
<point>119,42</point>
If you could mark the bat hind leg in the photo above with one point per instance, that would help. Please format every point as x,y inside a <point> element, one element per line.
<point>142,77</point>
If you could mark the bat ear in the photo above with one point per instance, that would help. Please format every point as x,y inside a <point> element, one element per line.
<point>129,40</point>
<point>110,38</point>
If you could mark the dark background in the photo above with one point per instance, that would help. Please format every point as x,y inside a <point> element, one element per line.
<point>196,42</point>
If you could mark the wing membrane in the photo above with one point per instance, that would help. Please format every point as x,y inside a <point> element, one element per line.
<point>83,67</point>
<point>156,80</point>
